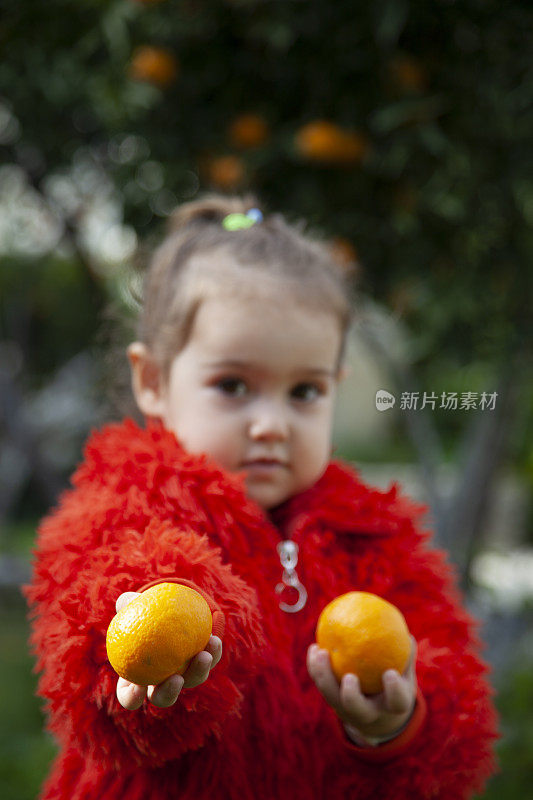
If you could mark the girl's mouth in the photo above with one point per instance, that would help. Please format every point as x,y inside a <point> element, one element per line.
<point>264,463</point>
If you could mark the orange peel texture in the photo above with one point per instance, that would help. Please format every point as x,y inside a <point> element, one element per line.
<point>365,635</point>
<point>157,634</point>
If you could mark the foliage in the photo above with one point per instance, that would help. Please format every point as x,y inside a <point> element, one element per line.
<point>25,750</point>
<point>438,203</point>
<point>515,749</point>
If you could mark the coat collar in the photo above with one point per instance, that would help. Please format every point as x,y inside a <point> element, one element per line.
<point>340,501</point>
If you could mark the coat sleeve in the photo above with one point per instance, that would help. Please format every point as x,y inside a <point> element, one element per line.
<point>87,555</point>
<point>448,751</point>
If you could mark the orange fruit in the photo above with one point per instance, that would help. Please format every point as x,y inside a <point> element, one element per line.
<point>327,142</point>
<point>343,251</point>
<point>408,74</point>
<point>248,130</point>
<point>154,65</point>
<point>226,172</point>
<point>158,633</point>
<point>364,635</point>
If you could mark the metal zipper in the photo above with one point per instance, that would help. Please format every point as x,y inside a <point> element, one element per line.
<point>288,556</point>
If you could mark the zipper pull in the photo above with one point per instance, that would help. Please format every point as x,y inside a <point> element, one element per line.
<point>288,556</point>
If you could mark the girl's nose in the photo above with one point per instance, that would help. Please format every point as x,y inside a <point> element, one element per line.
<point>268,423</point>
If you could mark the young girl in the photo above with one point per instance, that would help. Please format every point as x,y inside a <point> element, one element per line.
<point>229,487</point>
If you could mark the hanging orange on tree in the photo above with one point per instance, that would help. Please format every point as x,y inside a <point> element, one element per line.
<point>248,130</point>
<point>154,65</point>
<point>225,172</point>
<point>408,74</point>
<point>326,142</point>
<point>344,252</point>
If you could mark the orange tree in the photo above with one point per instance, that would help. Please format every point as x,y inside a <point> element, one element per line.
<point>401,129</point>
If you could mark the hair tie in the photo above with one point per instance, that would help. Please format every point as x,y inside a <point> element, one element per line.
<point>238,221</point>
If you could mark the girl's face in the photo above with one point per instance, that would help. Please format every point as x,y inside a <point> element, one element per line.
<point>254,388</point>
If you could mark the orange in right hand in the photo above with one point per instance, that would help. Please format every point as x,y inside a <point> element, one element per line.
<point>364,635</point>
<point>157,634</point>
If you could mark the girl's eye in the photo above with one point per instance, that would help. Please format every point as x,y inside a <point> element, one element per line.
<point>233,387</point>
<point>306,392</point>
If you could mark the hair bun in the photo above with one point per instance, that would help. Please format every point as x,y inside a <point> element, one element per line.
<point>209,208</point>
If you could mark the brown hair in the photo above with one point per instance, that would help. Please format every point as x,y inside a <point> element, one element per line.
<point>200,258</point>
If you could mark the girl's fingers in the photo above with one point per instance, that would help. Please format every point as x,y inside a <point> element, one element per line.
<point>410,670</point>
<point>198,670</point>
<point>347,699</point>
<point>376,714</point>
<point>129,695</point>
<point>166,693</point>
<point>214,646</point>
<point>359,708</point>
<point>319,668</point>
<point>124,599</point>
<point>398,692</point>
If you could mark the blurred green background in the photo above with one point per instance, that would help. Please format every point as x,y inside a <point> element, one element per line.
<point>401,132</point>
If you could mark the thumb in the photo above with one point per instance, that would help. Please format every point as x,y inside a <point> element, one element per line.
<point>124,599</point>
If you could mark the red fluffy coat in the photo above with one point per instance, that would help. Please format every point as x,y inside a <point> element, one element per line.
<point>141,509</point>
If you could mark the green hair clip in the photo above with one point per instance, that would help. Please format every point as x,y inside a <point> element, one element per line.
<point>237,221</point>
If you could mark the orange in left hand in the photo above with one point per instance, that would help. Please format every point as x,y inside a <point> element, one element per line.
<point>364,635</point>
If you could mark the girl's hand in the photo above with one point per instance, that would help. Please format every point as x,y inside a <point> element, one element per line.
<point>379,715</point>
<point>131,696</point>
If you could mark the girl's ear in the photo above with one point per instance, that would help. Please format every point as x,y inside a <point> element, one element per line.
<point>146,380</point>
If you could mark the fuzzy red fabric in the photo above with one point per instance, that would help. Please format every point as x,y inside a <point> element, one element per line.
<point>142,509</point>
